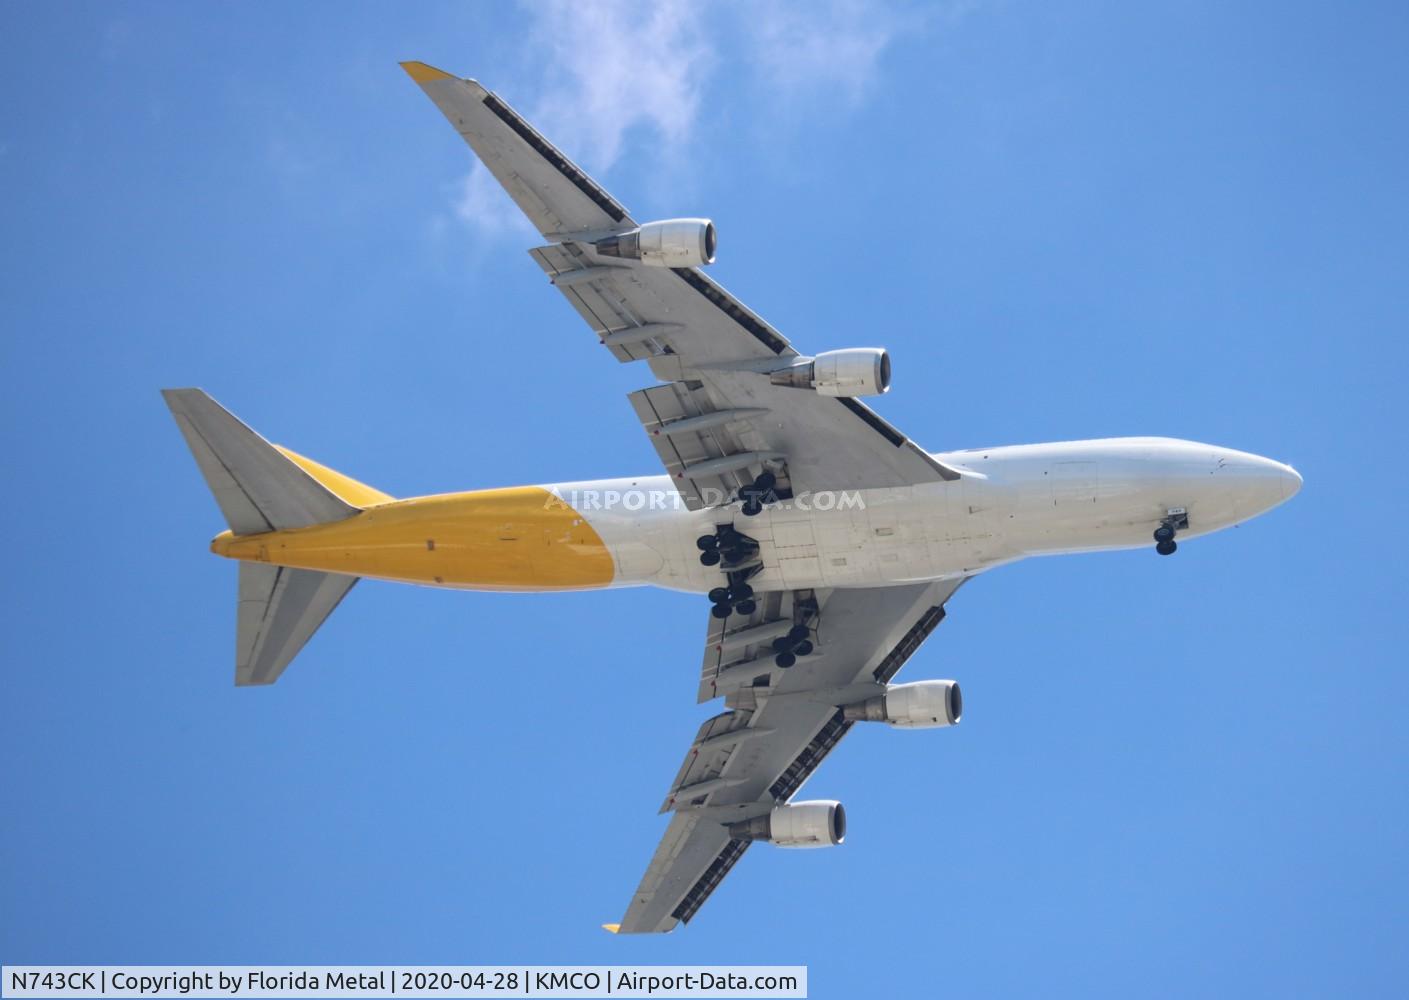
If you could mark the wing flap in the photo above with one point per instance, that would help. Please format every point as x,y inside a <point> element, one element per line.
<point>695,441</point>
<point>597,299</point>
<point>738,652</point>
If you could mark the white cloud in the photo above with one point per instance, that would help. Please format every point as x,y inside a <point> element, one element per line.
<point>609,69</point>
<point>827,48</point>
<point>614,66</point>
<point>480,201</point>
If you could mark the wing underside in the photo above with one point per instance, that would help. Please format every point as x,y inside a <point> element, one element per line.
<point>774,734</point>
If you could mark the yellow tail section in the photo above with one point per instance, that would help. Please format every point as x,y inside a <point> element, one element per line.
<point>347,488</point>
<point>290,512</point>
<point>266,492</point>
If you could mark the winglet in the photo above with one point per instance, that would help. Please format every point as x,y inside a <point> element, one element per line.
<point>422,73</point>
<point>613,928</point>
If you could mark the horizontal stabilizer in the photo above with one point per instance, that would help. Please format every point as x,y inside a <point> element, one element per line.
<point>279,610</point>
<point>258,488</point>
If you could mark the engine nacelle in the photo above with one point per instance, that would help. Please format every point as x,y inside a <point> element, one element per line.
<point>858,371</point>
<point>921,705</point>
<point>672,243</point>
<point>796,824</point>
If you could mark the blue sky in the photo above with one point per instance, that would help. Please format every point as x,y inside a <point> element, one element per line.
<point>1175,776</point>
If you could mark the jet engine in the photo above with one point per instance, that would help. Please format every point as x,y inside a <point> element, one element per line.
<point>796,824</point>
<point>672,243</point>
<point>921,705</point>
<point>858,371</point>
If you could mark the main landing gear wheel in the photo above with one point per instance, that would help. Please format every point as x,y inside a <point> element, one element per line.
<point>1166,547</point>
<point>789,647</point>
<point>737,555</point>
<point>759,492</point>
<point>1164,533</point>
<point>709,549</point>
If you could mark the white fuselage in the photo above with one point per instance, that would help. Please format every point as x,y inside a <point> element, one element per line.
<point>1010,502</point>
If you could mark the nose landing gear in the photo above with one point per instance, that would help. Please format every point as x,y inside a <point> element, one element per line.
<point>1174,521</point>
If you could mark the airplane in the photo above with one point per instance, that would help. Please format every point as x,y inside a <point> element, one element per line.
<point>825,539</point>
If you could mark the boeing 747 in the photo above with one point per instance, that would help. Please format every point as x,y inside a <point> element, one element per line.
<point>826,541</point>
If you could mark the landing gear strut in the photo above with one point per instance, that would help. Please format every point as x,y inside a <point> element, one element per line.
<point>737,555</point>
<point>1174,521</point>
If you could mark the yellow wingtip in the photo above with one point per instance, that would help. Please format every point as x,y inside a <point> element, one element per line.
<point>422,73</point>
<point>613,928</point>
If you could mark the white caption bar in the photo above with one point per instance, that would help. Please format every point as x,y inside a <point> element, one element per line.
<point>444,981</point>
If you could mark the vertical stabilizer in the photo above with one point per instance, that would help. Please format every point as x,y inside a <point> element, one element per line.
<point>261,489</point>
<point>257,487</point>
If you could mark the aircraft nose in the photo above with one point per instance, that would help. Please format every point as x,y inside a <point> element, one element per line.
<point>1259,483</point>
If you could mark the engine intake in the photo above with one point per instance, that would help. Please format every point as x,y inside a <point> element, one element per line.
<point>921,705</point>
<point>858,371</point>
<point>671,243</point>
<point>796,824</point>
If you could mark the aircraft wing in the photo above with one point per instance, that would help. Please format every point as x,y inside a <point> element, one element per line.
<point>779,726</point>
<point>718,421</point>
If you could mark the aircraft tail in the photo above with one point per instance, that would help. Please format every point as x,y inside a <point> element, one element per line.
<point>279,610</point>
<point>262,488</point>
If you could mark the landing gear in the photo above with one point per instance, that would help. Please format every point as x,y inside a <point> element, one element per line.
<point>758,493</point>
<point>787,648</point>
<point>1176,519</point>
<point>737,555</point>
<point>737,597</point>
<point>726,546</point>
